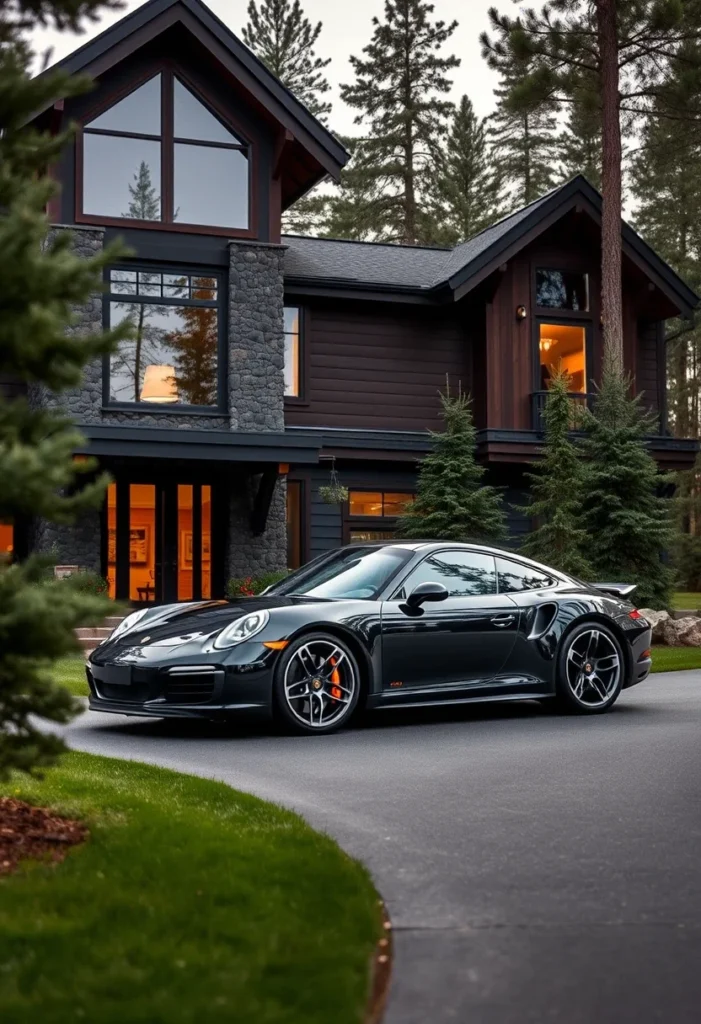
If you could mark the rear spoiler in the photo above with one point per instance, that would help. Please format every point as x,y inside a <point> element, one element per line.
<point>616,589</point>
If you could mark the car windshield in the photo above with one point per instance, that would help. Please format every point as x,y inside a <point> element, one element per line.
<point>359,573</point>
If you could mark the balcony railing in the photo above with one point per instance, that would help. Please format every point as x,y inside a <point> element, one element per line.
<point>579,401</point>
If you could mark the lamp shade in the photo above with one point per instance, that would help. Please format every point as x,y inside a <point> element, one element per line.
<point>159,385</point>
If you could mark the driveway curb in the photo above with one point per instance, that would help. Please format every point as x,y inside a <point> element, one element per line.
<point>381,971</point>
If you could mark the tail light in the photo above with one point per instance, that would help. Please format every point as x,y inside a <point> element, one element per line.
<point>635,614</point>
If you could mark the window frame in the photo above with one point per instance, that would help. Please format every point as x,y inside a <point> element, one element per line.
<point>565,267</point>
<point>303,369</point>
<point>174,409</point>
<point>556,321</point>
<point>385,524</point>
<point>168,70</point>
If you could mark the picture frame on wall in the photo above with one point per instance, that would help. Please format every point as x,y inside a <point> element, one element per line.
<point>185,549</point>
<point>139,545</point>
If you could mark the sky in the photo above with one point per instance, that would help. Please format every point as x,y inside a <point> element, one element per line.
<point>347,28</point>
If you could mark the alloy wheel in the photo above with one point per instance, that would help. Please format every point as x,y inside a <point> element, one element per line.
<point>320,684</point>
<point>593,668</point>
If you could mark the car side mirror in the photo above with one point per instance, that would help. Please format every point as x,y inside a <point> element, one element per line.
<point>426,592</point>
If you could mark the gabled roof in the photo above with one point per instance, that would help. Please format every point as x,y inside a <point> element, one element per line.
<point>155,16</point>
<point>377,266</point>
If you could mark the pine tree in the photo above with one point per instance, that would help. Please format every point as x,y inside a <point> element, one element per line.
<point>522,142</point>
<point>399,89</point>
<point>284,39</point>
<point>558,537</point>
<point>351,209</point>
<point>452,502</point>
<point>628,49</point>
<point>145,203</point>
<point>195,350</point>
<point>628,524</point>
<point>42,279</point>
<point>580,142</point>
<point>468,182</point>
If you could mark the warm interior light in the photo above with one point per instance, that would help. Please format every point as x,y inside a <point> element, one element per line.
<point>159,385</point>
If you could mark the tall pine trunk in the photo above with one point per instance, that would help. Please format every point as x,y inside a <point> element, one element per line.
<point>611,301</point>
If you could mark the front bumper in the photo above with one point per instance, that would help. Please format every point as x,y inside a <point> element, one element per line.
<point>172,687</point>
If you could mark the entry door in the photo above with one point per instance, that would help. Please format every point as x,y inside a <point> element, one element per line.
<point>159,541</point>
<point>463,641</point>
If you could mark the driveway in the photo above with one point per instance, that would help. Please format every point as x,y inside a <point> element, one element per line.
<point>536,868</point>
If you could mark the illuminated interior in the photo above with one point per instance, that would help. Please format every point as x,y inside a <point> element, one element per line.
<point>7,542</point>
<point>142,542</point>
<point>565,346</point>
<point>206,541</point>
<point>377,503</point>
<point>112,540</point>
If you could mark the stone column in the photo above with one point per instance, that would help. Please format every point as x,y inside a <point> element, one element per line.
<point>256,339</point>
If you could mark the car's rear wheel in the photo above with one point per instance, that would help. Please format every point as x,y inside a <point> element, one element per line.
<point>317,684</point>
<point>590,670</point>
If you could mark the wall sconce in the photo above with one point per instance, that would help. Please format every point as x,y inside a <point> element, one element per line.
<point>546,344</point>
<point>521,312</point>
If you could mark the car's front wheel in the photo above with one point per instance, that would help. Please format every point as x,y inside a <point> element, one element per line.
<point>317,684</point>
<point>590,669</point>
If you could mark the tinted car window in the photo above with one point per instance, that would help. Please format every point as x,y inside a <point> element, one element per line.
<point>352,573</point>
<point>464,573</point>
<point>515,576</point>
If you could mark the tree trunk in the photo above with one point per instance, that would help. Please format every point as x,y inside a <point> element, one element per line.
<point>526,161</point>
<point>611,299</point>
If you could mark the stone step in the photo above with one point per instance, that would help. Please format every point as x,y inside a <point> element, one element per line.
<point>113,621</point>
<point>99,632</point>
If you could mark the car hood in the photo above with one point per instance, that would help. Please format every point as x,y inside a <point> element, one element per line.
<point>180,623</point>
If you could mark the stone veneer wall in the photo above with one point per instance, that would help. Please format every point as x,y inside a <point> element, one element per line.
<point>255,394</point>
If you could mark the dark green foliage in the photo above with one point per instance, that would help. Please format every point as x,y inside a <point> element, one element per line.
<point>523,141</point>
<point>452,502</point>
<point>88,582</point>
<point>284,39</point>
<point>399,90</point>
<point>580,142</point>
<point>628,524</point>
<point>687,551</point>
<point>42,280</point>
<point>557,486</point>
<point>468,180</point>
<point>251,586</point>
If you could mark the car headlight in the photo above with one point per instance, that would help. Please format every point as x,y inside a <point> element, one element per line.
<point>128,623</point>
<point>242,629</point>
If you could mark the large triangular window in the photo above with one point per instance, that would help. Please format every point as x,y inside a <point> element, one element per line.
<point>161,154</point>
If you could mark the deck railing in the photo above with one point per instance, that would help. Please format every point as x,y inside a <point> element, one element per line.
<point>579,400</point>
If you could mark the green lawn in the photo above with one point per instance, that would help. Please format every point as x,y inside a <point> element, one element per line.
<point>667,659</point>
<point>70,672</point>
<point>682,599</point>
<point>190,903</point>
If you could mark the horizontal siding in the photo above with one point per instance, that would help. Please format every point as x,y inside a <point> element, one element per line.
<point>648,372</point>
<point>379,367</point>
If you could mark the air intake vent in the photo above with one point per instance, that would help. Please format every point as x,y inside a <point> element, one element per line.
<point>194,688</point>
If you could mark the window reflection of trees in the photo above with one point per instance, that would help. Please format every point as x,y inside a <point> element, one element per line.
<point>182,336</point>
<point>463,577</point>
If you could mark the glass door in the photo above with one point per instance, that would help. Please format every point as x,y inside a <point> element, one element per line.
<point>159,541</point>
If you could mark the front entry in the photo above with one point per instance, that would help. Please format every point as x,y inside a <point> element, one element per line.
<point>159,541</point>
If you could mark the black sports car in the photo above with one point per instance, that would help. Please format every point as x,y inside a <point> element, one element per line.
<point>379,626</point>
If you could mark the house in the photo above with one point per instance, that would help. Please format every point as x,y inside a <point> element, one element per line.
<point>258,358</point>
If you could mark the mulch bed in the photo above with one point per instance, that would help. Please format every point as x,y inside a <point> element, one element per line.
<point>36,833</point>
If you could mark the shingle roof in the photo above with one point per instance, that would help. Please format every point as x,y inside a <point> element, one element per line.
<point>411,268</point>
<point>398,266</point>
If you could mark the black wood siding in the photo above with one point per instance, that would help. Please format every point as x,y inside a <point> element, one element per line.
<point>379,366</point>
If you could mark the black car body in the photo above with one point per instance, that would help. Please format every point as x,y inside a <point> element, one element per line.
<point>379,626</point>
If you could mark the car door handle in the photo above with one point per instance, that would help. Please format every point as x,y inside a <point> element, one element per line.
<point>500,621</point>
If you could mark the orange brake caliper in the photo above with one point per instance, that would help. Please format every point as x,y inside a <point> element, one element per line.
<point>336,691</point>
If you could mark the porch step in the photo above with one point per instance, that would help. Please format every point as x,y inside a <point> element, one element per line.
<point>90,636</point>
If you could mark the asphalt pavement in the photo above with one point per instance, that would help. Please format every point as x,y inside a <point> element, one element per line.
<point>537,868</point>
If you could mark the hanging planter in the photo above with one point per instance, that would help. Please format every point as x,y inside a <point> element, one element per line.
<point>333,493</point>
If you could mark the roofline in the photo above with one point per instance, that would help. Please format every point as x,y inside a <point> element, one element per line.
<point>548,209</point>
<point>130,25</point>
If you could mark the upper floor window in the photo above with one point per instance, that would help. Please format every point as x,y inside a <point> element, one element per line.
<point>561,289</point>
<point>172,356</point>
<point>563,347</point>
<point>293,346</point>
<point>160,154</point>
<point>379,509</point>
